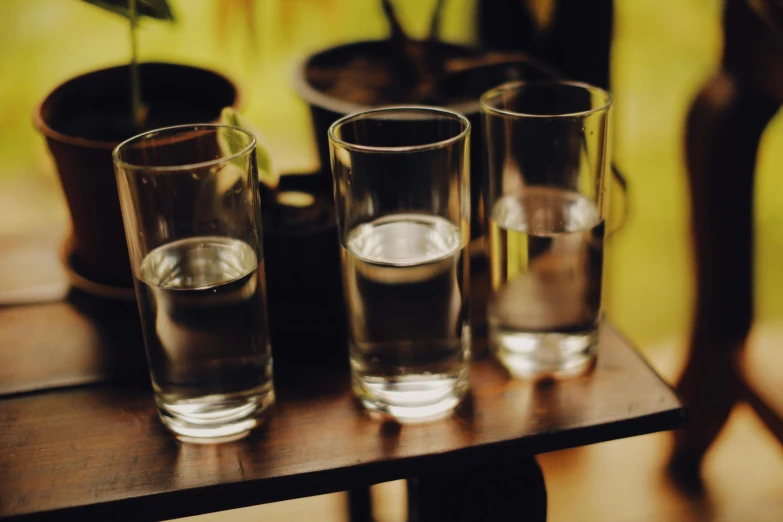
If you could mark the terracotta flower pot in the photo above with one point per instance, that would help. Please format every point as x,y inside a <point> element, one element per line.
<point>85,118</point>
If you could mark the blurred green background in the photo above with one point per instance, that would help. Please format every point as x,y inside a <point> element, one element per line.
<point>663,51</point>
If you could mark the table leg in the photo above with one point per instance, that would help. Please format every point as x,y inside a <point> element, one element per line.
<point>512,489</point>
<point>724,128</point>
<point>360,504</point>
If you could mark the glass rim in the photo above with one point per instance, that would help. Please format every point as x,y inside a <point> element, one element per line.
<point>119,162</point>
<point>355,147</point>
<point>516,85</point>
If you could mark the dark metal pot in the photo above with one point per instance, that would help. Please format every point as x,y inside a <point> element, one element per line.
<point>471,73</point>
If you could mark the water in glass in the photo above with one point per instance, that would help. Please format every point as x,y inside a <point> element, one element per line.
<point>202,305</point>
<point>403,277</point>
<point>546,252</point>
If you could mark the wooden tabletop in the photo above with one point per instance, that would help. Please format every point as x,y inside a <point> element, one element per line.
<point>99,451</point>
<point>74,442</point>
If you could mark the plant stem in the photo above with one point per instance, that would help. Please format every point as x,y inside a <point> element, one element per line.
<point>435,22</point>
<point>404,49</point>
<point>138,116</point>
<point>397,32</point>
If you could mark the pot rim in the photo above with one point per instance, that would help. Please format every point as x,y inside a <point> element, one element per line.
<point>40,123</point>
<point>320,99</point>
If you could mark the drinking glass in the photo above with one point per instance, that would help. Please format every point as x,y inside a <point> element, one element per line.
<point>190,204</point>
<point>546,147</point>
<point>401,186</point>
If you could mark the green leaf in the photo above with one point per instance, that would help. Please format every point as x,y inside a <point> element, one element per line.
<point>267,170</point>
<point>158,9</point>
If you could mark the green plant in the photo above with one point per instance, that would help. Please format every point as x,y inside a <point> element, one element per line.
<point>133,10</point>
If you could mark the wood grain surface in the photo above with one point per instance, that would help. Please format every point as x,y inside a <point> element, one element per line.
<point>79,340</point>
<point>99,452</point>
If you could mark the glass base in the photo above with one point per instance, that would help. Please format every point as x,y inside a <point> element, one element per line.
<point>539,355</point>
<point>411,398</point>
<point>215,418</point>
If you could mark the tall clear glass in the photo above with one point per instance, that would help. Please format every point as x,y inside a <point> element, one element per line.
<point>190,204</point>
<point>401,185</point>
<point>546,145</point>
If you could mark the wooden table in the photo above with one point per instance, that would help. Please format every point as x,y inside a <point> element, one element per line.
<point>97,450</point>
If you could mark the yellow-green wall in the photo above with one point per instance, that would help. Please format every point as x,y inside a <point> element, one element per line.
<point>663,50</point>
